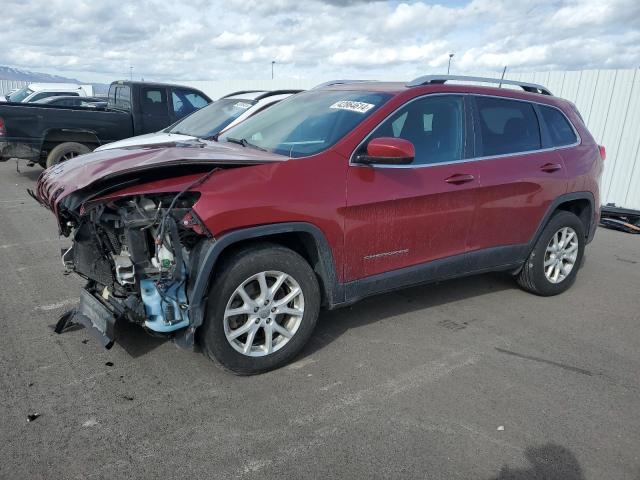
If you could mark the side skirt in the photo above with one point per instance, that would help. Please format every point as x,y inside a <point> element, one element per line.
<point>481,261</point>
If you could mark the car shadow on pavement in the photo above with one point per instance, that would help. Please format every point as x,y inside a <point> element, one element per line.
<point>135,341</point>
<point>548,462</point>
<point>334,323</point>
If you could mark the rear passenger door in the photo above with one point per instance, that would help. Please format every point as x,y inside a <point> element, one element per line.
<point>520,176</point>
<point>154,108</point>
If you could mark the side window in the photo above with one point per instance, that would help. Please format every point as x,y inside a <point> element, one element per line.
<point>558,126</point>
<point>435,126</point>
<point>154,101</point>
<point>186,101</point>
<point>123,97</point>
<point>507,126</point>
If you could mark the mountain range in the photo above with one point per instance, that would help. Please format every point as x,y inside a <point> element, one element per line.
<point>10,73</point>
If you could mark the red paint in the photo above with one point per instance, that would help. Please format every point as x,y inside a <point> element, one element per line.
<point>388,147</point>
<point>375,219</point>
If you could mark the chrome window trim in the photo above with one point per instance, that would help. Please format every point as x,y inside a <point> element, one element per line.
<point>465,160</point>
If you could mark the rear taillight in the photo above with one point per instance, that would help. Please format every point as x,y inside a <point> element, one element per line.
<point>2,129</point>
<point>603,152</point>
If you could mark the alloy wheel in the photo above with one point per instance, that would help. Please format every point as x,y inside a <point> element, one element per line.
<point>561,254</point>
<point>263,313</point>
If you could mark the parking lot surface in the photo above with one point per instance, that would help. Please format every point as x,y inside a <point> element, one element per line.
<point>466,379</point>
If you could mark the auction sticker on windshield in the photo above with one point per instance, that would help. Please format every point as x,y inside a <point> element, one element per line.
<point>360,107</point>
<point>242,105</point>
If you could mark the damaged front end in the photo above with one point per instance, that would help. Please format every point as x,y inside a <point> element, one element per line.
<point>135,254</point>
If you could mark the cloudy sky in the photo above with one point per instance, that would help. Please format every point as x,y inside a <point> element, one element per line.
<point>206,40</point>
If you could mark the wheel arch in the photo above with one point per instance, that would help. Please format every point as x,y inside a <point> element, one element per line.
<point>56,136</point>
<point>580,204</point>
<point>304,238</point>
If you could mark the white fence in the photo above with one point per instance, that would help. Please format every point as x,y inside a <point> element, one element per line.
<point>609,101</point>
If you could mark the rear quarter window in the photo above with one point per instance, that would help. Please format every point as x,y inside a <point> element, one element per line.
<point>558,126</point>
<point>507,126</point>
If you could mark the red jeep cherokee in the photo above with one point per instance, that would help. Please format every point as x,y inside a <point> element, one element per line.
<point>345,191</point>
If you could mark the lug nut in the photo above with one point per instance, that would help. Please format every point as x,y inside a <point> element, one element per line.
<point>268,320</point>
<point>273,310</point>
<point>266,302</point>
<point>257,320</point>
<point>255,310</point>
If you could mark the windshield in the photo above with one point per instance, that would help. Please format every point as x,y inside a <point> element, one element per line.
<point>210,120</point>
<point>19,95</point>
<point>307,123</point>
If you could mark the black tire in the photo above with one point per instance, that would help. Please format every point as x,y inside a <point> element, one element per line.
<point>59,152</point>
<point>532,277</point>
<point>236,269</point>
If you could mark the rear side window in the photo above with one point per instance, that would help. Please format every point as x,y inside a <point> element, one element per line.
<point>558,126</point>
<point>186,101</point>
<point>434,124</point>
<point>507,126</point>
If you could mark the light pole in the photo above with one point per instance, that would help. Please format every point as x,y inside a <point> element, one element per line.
<point>449,65</point>
<point>131,73</point>
<point>273,62</point>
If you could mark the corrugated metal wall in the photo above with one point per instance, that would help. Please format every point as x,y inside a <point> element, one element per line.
<point>7,85</point>
<point>609,101</point>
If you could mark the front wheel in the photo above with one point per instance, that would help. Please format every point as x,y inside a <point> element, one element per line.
<point>553,263</point>
<point>262,309</point>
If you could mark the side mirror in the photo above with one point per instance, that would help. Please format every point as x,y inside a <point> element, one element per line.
<point>388,151</point>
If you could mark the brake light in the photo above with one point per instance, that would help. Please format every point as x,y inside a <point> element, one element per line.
<point>3,131</point>
<point>603,152</point>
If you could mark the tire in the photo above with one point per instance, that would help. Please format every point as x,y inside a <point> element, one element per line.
<point>65,151</point>
<point>534,276</point>
<point>246,264</point>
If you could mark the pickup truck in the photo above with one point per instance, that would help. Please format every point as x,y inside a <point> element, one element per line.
<point>48,134</point>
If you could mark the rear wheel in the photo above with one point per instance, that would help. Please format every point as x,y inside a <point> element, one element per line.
<point>262,309</point>
<point>66,151</point>
<point>553,263</point>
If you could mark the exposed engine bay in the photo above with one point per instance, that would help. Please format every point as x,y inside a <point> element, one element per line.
<point>135,252</point>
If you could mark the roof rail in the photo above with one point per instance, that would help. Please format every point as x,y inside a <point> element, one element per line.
<point>440,79</point>
<point>271,93</point>
<point>240,92</point>
<point>340,82</point>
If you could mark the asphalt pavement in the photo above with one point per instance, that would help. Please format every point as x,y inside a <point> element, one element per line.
<point>466,379</point>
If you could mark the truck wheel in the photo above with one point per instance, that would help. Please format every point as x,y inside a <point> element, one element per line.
<point>262,309</point>
<point>66,151</point>
<point>553,263</point>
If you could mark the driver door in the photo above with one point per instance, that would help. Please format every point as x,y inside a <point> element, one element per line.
<point>409,215</point>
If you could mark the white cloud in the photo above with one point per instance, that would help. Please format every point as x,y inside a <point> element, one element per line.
<point>212,39</point>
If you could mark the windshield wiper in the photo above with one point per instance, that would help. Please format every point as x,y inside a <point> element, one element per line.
<point>245,143</point>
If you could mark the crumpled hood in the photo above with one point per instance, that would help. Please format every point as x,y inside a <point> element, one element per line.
<point>148,139</point>
<point>114,166</point>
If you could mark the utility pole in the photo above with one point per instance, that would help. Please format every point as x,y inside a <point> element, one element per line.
<point>449,65</point>
<point>273,62</point>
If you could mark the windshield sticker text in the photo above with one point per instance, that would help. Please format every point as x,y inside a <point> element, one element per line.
<point>242,105</point>
<point>360,107</point>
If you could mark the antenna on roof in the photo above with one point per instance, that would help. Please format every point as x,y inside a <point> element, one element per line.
<point>502,77</point>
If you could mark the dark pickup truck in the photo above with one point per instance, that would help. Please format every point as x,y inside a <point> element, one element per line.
<point>48,134</point>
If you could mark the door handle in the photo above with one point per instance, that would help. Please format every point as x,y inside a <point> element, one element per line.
<point>551,167</point>
<point>460,178</point>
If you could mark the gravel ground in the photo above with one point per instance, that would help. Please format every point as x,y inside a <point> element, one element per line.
<point>467,379</point>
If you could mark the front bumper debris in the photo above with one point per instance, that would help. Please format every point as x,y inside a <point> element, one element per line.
<point>94,316</point>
